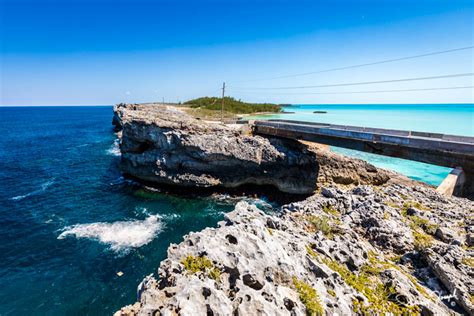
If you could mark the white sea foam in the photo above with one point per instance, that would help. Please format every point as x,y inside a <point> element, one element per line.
<point>114,150</point>
<point>43,188</point>
<point>121,235</point>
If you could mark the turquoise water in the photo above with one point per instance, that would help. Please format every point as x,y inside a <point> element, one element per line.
<point>69,222</point>
<point>456,119</point>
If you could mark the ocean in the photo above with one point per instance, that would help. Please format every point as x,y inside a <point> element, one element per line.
<point>69,222</point>
<point>77,238</point>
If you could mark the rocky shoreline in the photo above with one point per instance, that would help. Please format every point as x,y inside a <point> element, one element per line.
<point>363,241</point>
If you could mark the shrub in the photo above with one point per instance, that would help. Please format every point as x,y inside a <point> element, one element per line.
<point>309,297</point>
<point>195,264</point>
<point>323,224</point>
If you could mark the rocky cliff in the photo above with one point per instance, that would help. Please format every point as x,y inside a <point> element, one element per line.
<point>365,241</point>
<point>164,145</point>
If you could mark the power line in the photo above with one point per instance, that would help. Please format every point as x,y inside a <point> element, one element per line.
<point>362,65</point>
<point>372,91</point>
<point>362,83</point>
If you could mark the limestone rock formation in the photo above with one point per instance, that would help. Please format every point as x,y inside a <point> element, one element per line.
<point>345,252</point>
<point>164,145</point>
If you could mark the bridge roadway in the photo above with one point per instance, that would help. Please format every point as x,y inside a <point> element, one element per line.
<point>439,149</point>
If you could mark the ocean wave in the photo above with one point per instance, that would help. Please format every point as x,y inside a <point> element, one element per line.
<point>261,203</point>
<point>118,181</point>
<point>43,188</point>
<point>120,236</point>
<point>114,150</point>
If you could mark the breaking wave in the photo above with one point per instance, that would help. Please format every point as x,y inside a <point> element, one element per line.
<point>43,188</point>
<point>120,236</point>
<point>114,150</point>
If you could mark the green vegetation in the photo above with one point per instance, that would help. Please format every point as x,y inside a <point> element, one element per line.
<point>311,252</point>
<point>415,204</point>
<point>323,224</point>
<point>232,105</point>
<point>469,261</point>
<point>392,204</point>
<point>421,228</point>
<point>424,224</point>
<point>332,293</point>
<point>201,264</point>
<point>329,209</point>
<point>309,297</point>
<point>367,282</point>
<point>209,115</point>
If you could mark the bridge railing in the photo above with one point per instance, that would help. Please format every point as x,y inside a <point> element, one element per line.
<point>385,131</point>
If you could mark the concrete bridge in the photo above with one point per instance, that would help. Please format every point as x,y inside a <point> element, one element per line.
<point>439,149</point>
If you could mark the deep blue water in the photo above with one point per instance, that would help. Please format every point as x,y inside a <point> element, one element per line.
<point>58,169</point>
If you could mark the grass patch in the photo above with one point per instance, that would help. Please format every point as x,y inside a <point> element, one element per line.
<point>209,115</point>
<point>391,204</point>
<point>414,204</point>
<point>195,264</point>
<point>367,282</point>
<point>311,252</point>
<point>323,224</point>
<point>469,261</point>
<point>422,240</point>
<point>424,224</point>
<point>421,228</point>
<point>232,105</point>
<point>309,297</point>
<point>329,209</point>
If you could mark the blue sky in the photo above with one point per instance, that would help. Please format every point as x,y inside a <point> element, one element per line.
<point>103,52</point>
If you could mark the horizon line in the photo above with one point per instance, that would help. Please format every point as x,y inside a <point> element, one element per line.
<point>92,105</point>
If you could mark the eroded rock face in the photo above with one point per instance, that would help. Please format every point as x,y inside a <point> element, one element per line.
<point>164,145</point>
<point>336,244</point>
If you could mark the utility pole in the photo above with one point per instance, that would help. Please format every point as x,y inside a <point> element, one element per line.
<point>222,106</point>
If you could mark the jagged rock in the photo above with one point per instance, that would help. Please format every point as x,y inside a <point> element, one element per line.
<point>445,261</point>
<point>164,145</point>
<point>470,240</point>
<point>445,234</point>
<point>258,260</point>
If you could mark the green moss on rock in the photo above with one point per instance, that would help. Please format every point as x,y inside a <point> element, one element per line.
<point>202,264</point>
<point>367,282</point>
<point>309,297</point>
<point>329,209</point>
<point>323,224</point>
